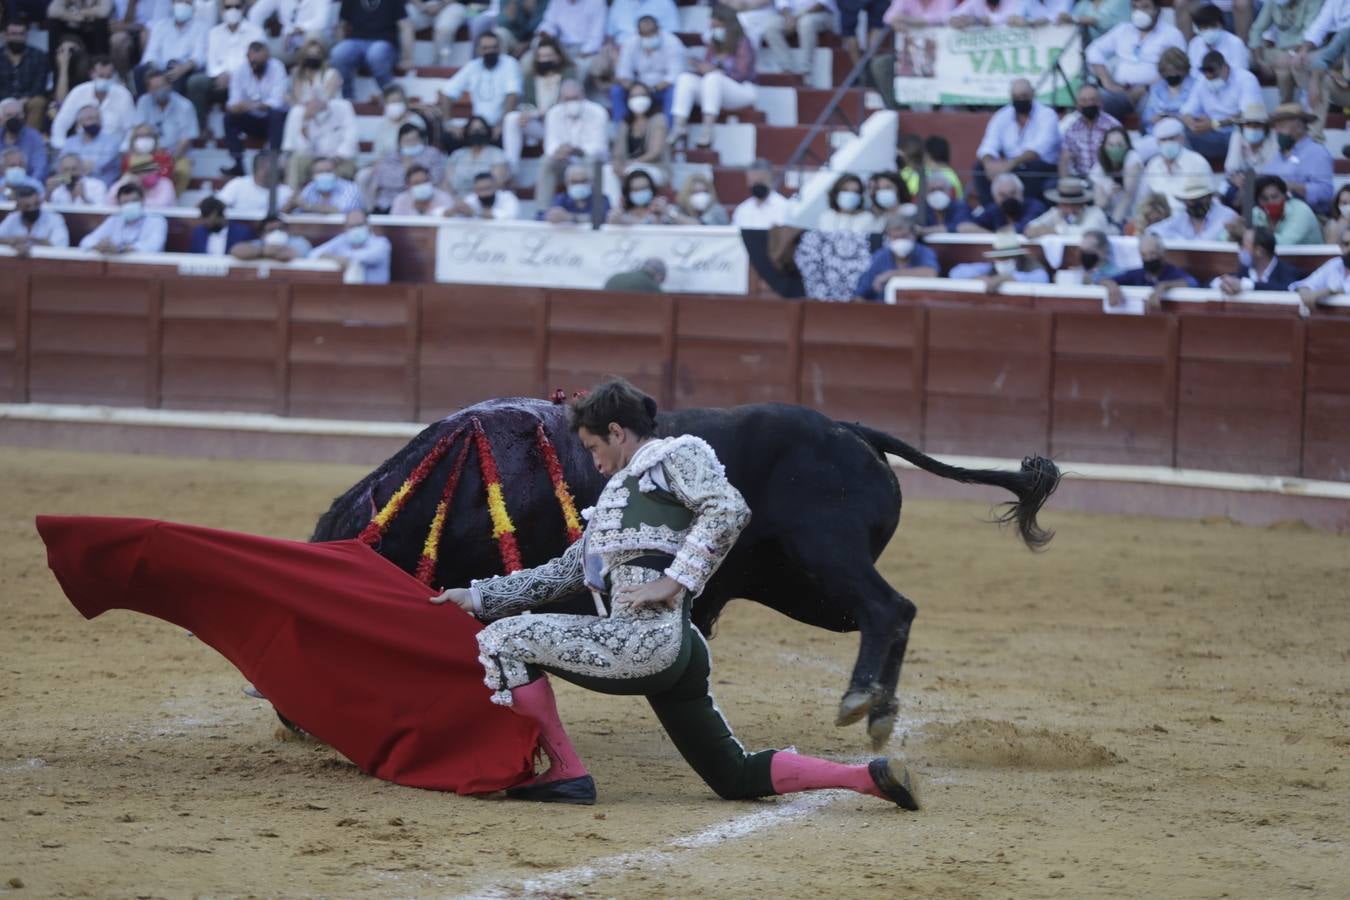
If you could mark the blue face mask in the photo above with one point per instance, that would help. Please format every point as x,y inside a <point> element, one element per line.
<point>15,175</point>
<point>640,198</point>
<point>848,200</point>
<point>886,198</point>
<point>101,85</point>
<point>358,235</point>
<point>132,210</point>
<point>325,181</point>
<point>581,191</point>
<point>652,42</point>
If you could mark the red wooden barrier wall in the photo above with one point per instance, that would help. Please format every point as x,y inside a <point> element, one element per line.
<point>1208,390</point>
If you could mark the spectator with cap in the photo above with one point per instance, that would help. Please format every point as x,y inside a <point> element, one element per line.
<point>130,229</point>
<point>1155,272</point>
<point>645,279</point>
<point>100,151</point>
<point>173,119</point>
<point>251,195</point>
<point>389,178</point>
<point>23,72</point>
<point>176,47</point>
<point>579,202</point>
<point>901,256</point>
<point>493,82</point>
<point>30,225</point>
<point>808,19</point>
<point>723,79</point>
<point>1212,37</point>
<point>765,208</point>
<point>326,193</point>
<point>1171,91</point>
<point>216,235</point>
<point>1095,261</point>
<point>1072,214</point>
<point>1022,139</point>
<point>1303,163</point>
<point>256,105</point>
<point>1290,219</point>
<point>113,103</point>
<point>376,33</point>
<point>943,212</point>
<point>69,186</point>
<point>226,50</point>
<point>322,127</point>
<point>17,134</point>
<point>653,58</point>
<point>1329,279</point>
<point>575,130</point>
<point>1201,219</point>
<point>1174,165</point>
<point>1083,131</point>
<point>365,254</point>
<point>1212,111</point>
<point>1252,145</point>
<point>1259,269</point>
<point>1010,209</point>
<point>1116,176</point>
<point>1274,40</point>
<point>489,200</point>
<point>1333,21</point>
<point>422,197</point>
<point>1125,59</point>
<point>275,243</point>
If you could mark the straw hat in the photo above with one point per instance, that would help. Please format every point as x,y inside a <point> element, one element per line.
<point>1069,190</point>
<point>1195,187</point>
<point>1291,111</point>
<point>1254,114</point>
<point>1006,246</point>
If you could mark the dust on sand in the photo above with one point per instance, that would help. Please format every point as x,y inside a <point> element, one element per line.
<point>1151,708</point>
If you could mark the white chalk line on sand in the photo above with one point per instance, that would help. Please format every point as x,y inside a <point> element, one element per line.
<point>646,860</point>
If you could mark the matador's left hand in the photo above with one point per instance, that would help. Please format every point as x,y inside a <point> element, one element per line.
<point>663,593</point>
<point>461,597</point>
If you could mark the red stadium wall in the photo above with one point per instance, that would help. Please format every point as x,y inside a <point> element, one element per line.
<point>1262,393</point>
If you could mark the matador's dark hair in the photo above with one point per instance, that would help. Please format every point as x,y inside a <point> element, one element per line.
<point>614,401</point>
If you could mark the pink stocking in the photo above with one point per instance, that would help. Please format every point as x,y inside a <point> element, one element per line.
<point>535,701</point>
<point>790,773</point>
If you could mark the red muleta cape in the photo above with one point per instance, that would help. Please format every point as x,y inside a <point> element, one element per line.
<point>339,639</point>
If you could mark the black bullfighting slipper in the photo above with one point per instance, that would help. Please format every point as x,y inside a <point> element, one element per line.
<point>892,786</point>
<point>580,791</point>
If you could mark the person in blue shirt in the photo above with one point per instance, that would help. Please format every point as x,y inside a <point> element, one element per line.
<point>363,253</point>
<point>578,200</point>
<point>1010,208</point>
<point>100,151</point>
<point>902,256</point>
<point>16,133</point>
<point>1156,272</point>
<point>942,211</point>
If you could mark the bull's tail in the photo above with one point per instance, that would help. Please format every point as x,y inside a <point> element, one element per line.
<point>1032,484</point>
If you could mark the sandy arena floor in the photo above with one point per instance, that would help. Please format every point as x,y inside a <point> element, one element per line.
<point>1150,709</point>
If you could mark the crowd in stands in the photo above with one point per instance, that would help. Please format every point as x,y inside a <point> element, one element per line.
<point>1170,139</point>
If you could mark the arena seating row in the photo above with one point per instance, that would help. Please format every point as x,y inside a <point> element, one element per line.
<point>1254,393</point>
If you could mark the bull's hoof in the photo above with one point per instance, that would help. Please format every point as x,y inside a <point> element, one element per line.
<point>853,707</point>
<point>880,725</point>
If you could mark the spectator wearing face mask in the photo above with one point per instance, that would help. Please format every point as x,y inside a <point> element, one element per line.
<point>1155,272</point>
<point>23,72</point>
<point>477,156</point>
<point>1023,139</point>
<point>113,103</point>
<point>99,150</point>
<point>216,235</point>
<point>15,134</point>
<point>696,204</point>
<point>541,89</point>
<point>389,177</point>
<point>69,186</point>
<point>1073,212</point>
<point>885,193</point>
<point>313,78</point>
<point>1174,165</point>
<point>1008,261</point>
<point>1116,176</point>
<point>171,116</point>
<point>30,225</point>
<point>493,82</point>
<point>902,256</point>
<point>1011,209</point>
<point>422,198</point>
<point>14,174</point>
<point>943,212</point>
<point>176,47</point>
<point>1125,59</point>
<point>1095,263</point>
<point>640,140</point>
<point>256,105</point>
<point>1259,269</point>
<point>130,229</point>
<point>1303,163</point>
<point>1330,278</point>
<point>396,114</point>
<point>723,79</point>
<point>579,203</point>
<point>575,130</point>
<point>1212,37</point>
<point>1213,110</point>
<point>150,166</point>
<point>652,58</point>
<point>578,27</point>
<point>488,200</point>
<point>1201,218</point>
<point>1252,145</point>
<point>275,243</point>
<point>847,212</point>
<point>226,50</point>
<point>1291,220</point>
<point>1084,130</point>
<point>642,205</point>
<point>322,127</point>
<point>765,208</point>
<point>1339,219</point>
<point>1169,93</point>
<point>364,254</point>
<point>326,193</point>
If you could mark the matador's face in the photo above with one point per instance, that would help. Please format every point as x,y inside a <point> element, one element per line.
<point>611,451</point>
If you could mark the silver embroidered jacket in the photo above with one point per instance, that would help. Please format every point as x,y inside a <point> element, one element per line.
<point>684,466</point>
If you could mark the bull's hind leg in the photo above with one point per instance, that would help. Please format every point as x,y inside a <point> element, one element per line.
<point>881,715</point>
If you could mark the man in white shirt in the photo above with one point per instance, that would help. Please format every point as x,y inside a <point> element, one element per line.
<point>1331,278</point>
<point>300,21</point>
<point>129,230</point>
<point>1211,35</point>
<point>1167,172</point>
<point>493,82</point>
<point>226,50</point>
<point>251,194</point>
<point>575,130</point>
<point>488,201</point>
<point>32,226</point>
<point>320,128</point>
<point>256,104</point>
<point>176,47</point>
<point>651,57</point>
<point>1073,212</point>
<point>765,208</point>
<point>1215,105</point>
<point>1201,218</point>
<point>365,255</point>
<point>1022,138</point>
<point>69,186</point>
<point>115,105</point>
<point>1125,59</point>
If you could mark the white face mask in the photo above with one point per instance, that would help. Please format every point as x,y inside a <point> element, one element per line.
<point>276,238</point>
<point>232,16</point>
<point>938,200</point>
<point>422,191</point>
<point>132,210</point>
<point>699,201</point>
<point>1345,210</point>
<point>1141,20</point>
<point>1005,266</point>
<point>1215,84</point>
<point>358,235</point>
<point>718,33</point>
<point>395,110</point>
<point>885,198</point>
<point>1211,36</point>
<point>1169,149</point>
<point>848,200</point>
<point>143,144</point>
<point>902,247</point>
<point>15,174</point>
<point>640,104</point>
<point>1254,135</point>
<point>182,13</point>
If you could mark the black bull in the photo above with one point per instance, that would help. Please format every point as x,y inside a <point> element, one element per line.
<point>825,503</point>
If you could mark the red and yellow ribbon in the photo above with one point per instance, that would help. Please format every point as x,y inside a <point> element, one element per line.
<point>426,566</point>
<point>380,522</point>
<point>502,528</point>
